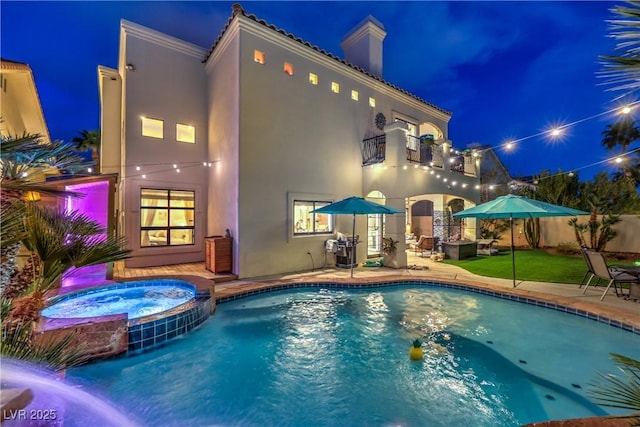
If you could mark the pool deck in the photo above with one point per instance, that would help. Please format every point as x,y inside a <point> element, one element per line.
<point>569,295</point>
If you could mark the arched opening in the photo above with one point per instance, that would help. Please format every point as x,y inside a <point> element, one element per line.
<point>375,226</point>
<point>421,218</point>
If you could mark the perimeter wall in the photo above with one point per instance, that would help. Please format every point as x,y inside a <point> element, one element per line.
<point>554,231</point>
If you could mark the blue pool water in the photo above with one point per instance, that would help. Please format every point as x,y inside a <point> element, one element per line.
<point>339,357</point>
<point>137,299</point>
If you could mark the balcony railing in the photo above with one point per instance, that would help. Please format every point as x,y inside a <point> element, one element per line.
<point>373,150</point>
<point>463,164</point>
<point>417,151</point>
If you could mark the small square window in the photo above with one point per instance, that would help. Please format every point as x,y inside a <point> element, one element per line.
<point>335,87</point>
<point>354,95</point>
<point>313,79</point>
<point>185,133</point>
<point>288,68</point>
<point>372,102</point>
<point>258,56</point>
<point>152,128</point>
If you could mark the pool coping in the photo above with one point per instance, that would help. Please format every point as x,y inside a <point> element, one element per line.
<point>614,316</point>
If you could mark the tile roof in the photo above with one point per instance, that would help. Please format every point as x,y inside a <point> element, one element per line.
<point>8,64</point>
<point>238,10</point>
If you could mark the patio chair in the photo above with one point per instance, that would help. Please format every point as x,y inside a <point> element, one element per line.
<point>589,272</point>
<point>423,244</point>
<point>602,271</point>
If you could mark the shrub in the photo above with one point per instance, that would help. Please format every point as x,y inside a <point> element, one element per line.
<point>568,248</point>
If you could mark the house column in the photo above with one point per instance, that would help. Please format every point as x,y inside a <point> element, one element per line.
<point>439,219</point>
<point>395,159</point>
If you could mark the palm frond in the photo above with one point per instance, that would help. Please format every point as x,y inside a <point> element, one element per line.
<point>56,353</point>
<point>17,342</point>
<point>619,392</point>
<point>622,71</point>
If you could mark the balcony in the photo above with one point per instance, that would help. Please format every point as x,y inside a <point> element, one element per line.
<point>463,164</point>
<point>420,151</point>
<point>424,151</point>
<point>373,150</point>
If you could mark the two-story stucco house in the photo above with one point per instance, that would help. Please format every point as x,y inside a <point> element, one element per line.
<point>254,133</point>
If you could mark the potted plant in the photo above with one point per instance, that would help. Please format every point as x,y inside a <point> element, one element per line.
<point>389,249</point>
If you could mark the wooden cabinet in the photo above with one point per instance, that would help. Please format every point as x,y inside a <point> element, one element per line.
<point>218,252</point>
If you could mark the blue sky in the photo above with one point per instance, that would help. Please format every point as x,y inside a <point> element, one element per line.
<point>507,70</point>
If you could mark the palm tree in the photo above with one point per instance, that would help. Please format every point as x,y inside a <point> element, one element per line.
<point>90,140</point>
<point>623,73</point>
<point>55,241</point>
<point>623,134</point>
<point>58,240</point>
<point>23,162</point>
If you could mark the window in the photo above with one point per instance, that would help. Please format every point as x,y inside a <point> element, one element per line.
<point>305,222</point>
<point>185,133</point>
<point>288,68</point>
<point>152,128</point>
<point>335,87</point>
<point>354,95</point>
<point>313,79</point>
<point>166,217</point>
<point>258,56</point>
<point>372,102</point>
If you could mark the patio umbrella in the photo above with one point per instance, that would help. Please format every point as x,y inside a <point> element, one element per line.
<point>356,206</point>
<point>512,206</point>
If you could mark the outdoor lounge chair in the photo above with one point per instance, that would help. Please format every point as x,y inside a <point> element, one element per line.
<point>423,245</point>
<point>602,271</point>
<point>589,272</point>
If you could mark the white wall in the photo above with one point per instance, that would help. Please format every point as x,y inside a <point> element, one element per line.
<point>556,230</point>
<point>223,117</point>
<point>167,84</point>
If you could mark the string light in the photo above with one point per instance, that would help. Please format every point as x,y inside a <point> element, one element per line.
<point>558,130</point>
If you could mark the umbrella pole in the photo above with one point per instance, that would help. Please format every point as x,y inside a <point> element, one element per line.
<point>353,237</point>
<point>513,252</point>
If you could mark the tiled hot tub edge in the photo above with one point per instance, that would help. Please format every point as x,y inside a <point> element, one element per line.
<point>107,336</point>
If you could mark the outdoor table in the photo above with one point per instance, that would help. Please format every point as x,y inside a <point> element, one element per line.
<point>634,287</point>
<point>460,249</point>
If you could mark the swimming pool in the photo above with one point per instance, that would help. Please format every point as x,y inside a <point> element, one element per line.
<point>327,357</point>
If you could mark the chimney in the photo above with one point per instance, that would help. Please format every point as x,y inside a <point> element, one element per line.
<point>362,46</point>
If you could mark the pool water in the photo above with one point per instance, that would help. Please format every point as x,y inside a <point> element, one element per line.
<point>139,300</point>
<point>340,358</point>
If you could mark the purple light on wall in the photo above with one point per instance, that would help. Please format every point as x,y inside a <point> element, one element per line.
<point>94,204</point>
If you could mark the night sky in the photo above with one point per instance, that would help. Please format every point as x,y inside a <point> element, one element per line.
<point>507,70</point>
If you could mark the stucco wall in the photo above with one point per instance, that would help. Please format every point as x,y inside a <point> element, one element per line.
<point>554,231</point>
<point>167,84</point>
<point>223,105</point>
<point>295,138</point>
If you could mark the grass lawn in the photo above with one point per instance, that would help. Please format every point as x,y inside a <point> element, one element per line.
<point>534,265</point>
